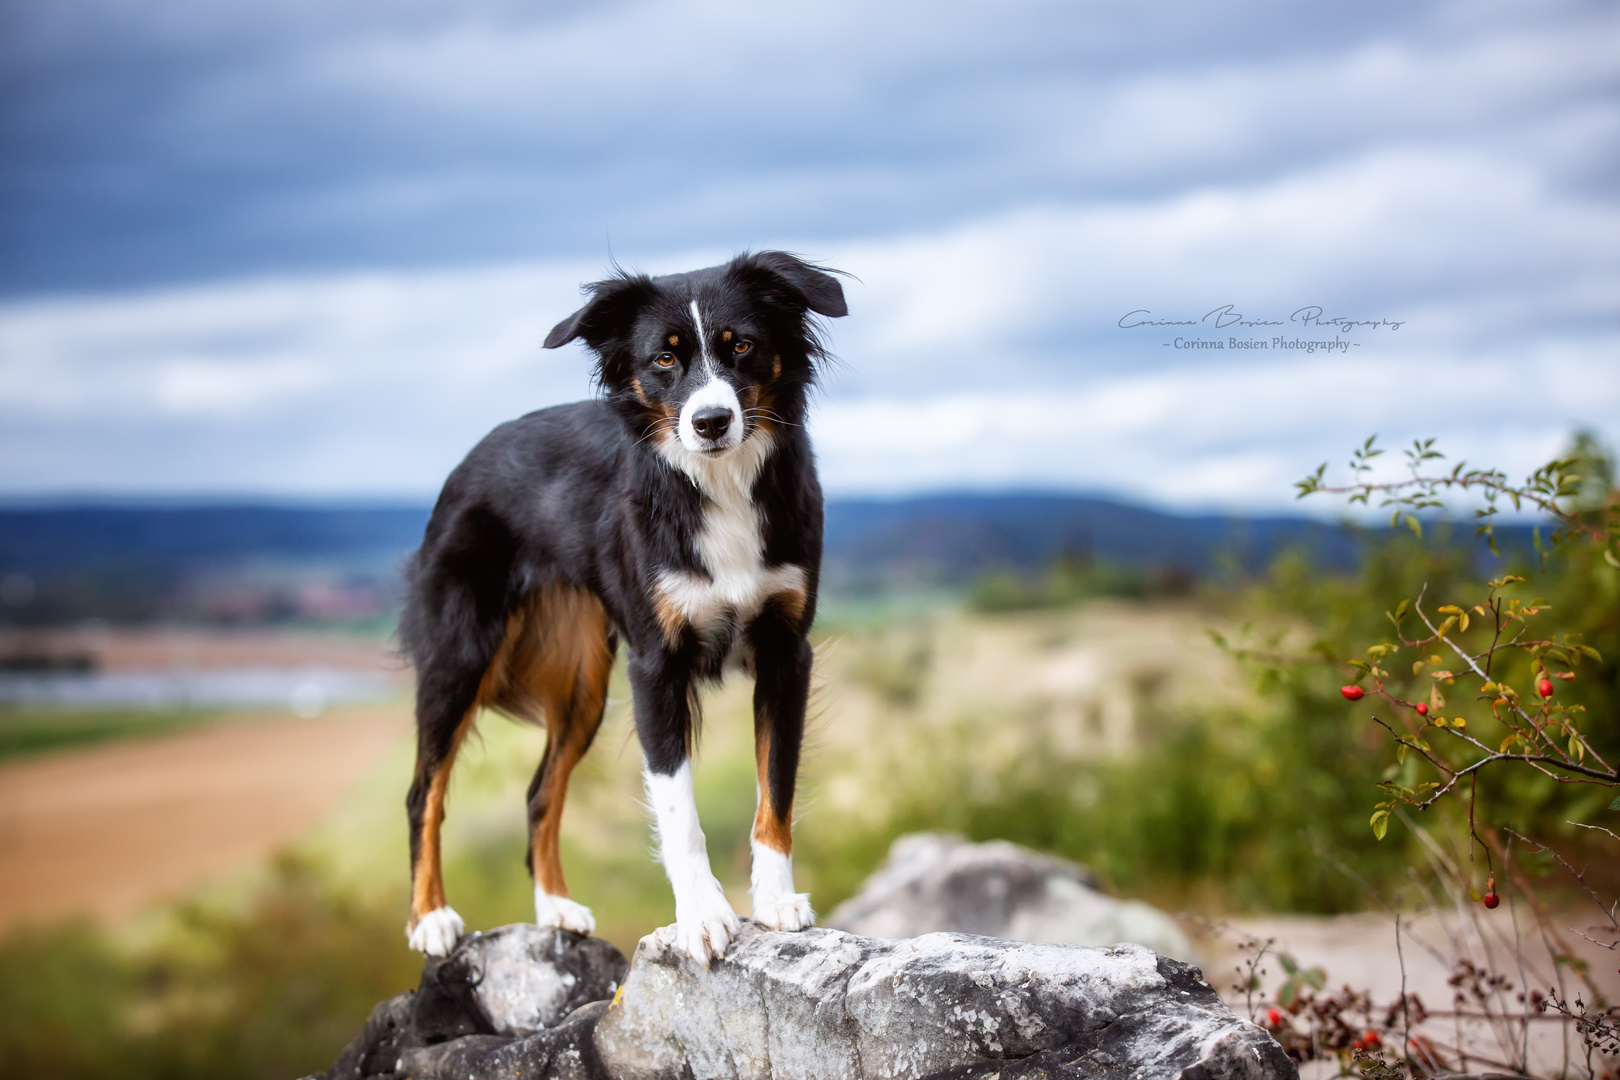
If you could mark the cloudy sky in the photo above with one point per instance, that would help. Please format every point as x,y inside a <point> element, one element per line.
<point>296,248</point>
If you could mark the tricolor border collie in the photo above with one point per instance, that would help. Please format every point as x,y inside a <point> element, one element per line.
<point>680,512</point>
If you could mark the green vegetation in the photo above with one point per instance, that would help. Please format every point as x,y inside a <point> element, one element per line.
<point>1072,579</point>
<point>30,730</point>
<point>269,991</point>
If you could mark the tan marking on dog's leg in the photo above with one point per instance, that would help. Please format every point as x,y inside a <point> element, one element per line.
<point>427,876</point>
<point>668,613</point>
<point>776,905</point>
<point>773,826</point>
<point>792,602</point>
<point>571,663</point>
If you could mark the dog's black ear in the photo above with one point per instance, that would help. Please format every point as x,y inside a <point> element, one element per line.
<point>612,308</point>
<point>813,286</point>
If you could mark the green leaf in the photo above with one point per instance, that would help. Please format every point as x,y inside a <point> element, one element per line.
<point>1416,526</point>
<point>1616,804</point>
<point>1380,823</point>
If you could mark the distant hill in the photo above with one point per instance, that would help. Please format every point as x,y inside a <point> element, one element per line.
<point>253,562</point>
<point>957,537</point>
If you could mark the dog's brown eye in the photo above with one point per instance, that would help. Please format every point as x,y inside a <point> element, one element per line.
<point>665,360</point>
<point>742,347</point>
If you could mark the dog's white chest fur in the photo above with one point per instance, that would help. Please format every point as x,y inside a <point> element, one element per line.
<point>729,544</point>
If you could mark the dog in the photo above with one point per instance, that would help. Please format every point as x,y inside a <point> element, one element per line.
<point>680,511</point>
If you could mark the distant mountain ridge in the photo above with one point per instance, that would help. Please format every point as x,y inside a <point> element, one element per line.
<point>151,554</point>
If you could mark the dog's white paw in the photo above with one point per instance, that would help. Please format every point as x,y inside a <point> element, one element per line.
<point>437,932</point>
<point>783,911</point>
<point>562,913</point>
<point>705,924</point>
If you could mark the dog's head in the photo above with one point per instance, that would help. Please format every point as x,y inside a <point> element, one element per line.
<point>710,357</point>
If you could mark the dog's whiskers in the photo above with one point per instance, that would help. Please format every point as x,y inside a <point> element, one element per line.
<point>756,414</point>
<point>662,424</point>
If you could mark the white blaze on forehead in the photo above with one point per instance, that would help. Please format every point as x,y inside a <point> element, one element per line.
<point>703,339</point>
<point>716,393</point>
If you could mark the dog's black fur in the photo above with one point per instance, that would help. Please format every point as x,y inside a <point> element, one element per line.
<point>584,500</point>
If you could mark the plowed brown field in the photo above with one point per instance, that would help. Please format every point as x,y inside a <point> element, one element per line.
<point>110,829</point>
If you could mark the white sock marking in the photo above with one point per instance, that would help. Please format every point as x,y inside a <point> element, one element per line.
<point>776,905</point>
<point>437,932</point>
<point>562,913</point>
<point>704,921</point>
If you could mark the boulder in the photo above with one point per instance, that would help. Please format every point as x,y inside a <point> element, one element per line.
<point>827,1005</point>
<point>516,994</point>
<point>516,1002</point>
<point>935,882</point>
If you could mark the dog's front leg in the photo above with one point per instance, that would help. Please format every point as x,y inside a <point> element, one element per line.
<point>782,661</point>
<point>704,921</point>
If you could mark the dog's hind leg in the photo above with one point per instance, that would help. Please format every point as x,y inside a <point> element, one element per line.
<point>443,720</point>
<point>782,662</point>
<point>567,671</point>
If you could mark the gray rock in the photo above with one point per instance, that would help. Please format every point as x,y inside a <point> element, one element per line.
<point>824,1004</point>
<point>519,979</point>
<point>563,1052</point>
<point>515,1001</point>
<point>375,1050</point>
<point>935,882</point>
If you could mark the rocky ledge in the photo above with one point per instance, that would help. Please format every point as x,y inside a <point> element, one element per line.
<point>822,1004</point>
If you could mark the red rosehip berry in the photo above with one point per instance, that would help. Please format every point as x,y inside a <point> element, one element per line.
<point>1371,1040</point>
<point>1422,709</point>
<point>1273,1018</point>
<point>1354,693</point>
<point>1544,688</point>
<point>1491,899</point>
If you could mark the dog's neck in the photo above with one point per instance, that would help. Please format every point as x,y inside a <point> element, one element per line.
<point>729,478</point>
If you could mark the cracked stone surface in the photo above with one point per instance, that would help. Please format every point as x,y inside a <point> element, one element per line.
<point>823,1004</point>
<point>826,1004</point>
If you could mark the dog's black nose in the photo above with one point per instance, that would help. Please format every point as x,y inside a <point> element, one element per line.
<point>711,423</point>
